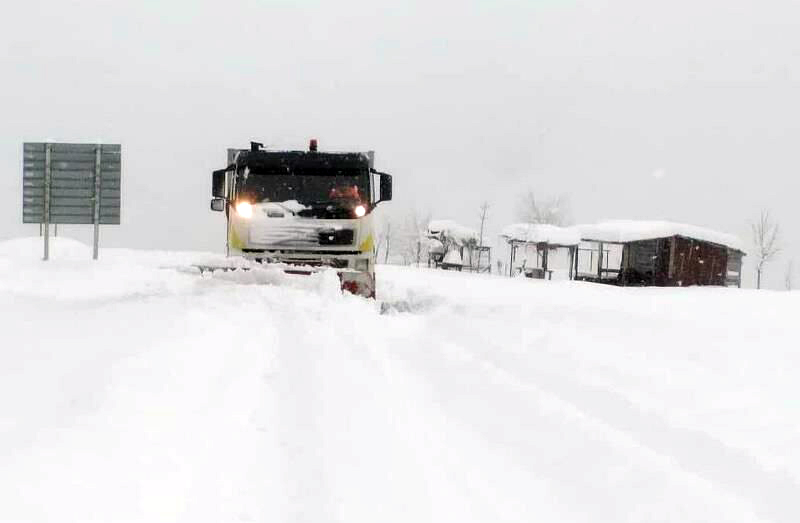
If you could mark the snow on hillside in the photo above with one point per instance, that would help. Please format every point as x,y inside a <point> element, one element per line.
<point>134,390</point>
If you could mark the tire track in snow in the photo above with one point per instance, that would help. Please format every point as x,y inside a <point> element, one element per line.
<point>360,439</point>
<point>346,432</point>
<point>299,429</point>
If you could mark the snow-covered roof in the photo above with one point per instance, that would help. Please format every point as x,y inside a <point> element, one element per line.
<point>541,233</point>
<point>452,230</point>
<point>622,231</point>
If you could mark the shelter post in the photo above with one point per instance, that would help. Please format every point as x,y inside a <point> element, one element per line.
<point>545,252</point>
<point>571,260</point>
<point>599,260</point>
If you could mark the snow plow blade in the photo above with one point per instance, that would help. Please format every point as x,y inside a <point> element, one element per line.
<point>354,282</point>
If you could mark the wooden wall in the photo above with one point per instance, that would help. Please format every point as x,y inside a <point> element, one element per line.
<point>675,261</point>
<point>698,263</point>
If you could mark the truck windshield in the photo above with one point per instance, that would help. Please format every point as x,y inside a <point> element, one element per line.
<point>306,189</point>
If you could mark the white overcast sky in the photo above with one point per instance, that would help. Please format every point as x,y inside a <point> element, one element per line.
<point>682,110</point>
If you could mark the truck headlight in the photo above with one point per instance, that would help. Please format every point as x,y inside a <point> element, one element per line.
<point>244,209</point>
<point>360,211</point>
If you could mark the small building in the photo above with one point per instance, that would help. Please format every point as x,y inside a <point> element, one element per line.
<point>540,250</point>
<point>656,253</point>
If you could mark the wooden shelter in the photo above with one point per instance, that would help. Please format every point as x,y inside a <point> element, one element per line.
<point>455,247</point>
<point>538,242</point>
<point>662,254</point>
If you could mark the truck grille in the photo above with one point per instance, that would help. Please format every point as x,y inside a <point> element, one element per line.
<point>299,235</point>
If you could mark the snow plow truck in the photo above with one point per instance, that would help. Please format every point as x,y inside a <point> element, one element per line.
<point>305,210</point>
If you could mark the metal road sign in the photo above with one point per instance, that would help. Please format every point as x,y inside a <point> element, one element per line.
<point>71,183</point>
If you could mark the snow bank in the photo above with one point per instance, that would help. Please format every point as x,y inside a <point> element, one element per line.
<point>621,231</point>
<point>541,233</point>
<point>70,274</point>
<point>61,248</point>
<point>454,231</point>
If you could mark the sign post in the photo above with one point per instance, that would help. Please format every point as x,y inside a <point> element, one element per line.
<point>46,217</point>
<point>97,180</point>
<point>71,183</point>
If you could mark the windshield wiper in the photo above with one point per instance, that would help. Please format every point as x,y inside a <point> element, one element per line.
<point>320,203</point>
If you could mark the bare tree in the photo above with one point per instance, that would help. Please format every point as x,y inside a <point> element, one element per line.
<point>483,213</point>
<point>387,240</point>
<point>412,245</point>
<point>421,221</point>
<point>384,239</point>
<point>789,274</point>
<point>765,238</point>
<point>554,211</point>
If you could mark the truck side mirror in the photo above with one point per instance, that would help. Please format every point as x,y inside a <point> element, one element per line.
<point>218,184</point>
<point>386,187</point>
<point>218,204</point>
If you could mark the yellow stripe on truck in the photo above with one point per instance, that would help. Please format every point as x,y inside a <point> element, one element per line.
<point>236,242</point>
<point>366,245</point>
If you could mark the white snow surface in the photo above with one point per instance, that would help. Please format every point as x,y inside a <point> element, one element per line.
<point>621,231</point>
<point>132,389</point>
<point>455,231</point>
<point>542,233</point>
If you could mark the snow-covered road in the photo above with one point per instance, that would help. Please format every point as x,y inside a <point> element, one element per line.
<point>133,391</point>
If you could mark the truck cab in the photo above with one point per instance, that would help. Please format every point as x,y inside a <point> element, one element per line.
<point>307,210</point>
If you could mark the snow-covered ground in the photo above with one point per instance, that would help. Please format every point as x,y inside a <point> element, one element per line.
<point>133,390</point>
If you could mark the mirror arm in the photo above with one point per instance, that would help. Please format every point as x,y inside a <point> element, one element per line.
<point>231,167</point>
